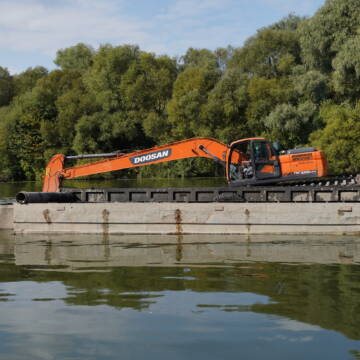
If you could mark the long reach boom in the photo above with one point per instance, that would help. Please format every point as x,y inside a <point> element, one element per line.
<point>196,147</point>
<point>251,161</point>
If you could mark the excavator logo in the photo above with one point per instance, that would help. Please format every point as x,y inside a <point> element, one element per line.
<point>153,156</point>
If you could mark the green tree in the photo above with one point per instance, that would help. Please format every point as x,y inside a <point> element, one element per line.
<point>36,132</point>
<point>226,107</point>
<point>71,106</point>
<point>10,168</point>
<point>78,57</point>
<point>288,23</point>
<point>103,79</point>
<point>187,106</point>
<point>27,80</point>
<point>310,85</point>
<point>323,35</point>
<point>264,95</point>
<point>25,143</point>
<point>147,87</point>
<point>267,53</point>
<point>291,125</point>
<point>223,57</point>
<point>6,87</point>
<point>340,137</point>
<point>55,131</point>
<point>110,127</point>
<point>102,131</point>
<point>200,58</point>
<point>346,64</point>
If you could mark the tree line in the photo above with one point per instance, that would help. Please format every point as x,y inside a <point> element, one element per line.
<point>295,81</point>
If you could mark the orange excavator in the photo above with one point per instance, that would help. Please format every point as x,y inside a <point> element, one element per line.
<point>251,161</point>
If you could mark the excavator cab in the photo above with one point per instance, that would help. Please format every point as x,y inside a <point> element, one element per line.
<point>256,161</point>
<point>252,161</point>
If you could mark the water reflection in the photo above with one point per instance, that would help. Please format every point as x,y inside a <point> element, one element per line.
<point>84,251</point>
<point>89,297</point>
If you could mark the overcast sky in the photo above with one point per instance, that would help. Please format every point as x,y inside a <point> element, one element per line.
<point>31,31</point>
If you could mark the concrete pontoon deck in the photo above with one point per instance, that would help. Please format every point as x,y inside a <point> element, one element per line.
<point>182,218</point>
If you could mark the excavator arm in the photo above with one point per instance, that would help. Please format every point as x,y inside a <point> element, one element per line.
<point>197,147</point>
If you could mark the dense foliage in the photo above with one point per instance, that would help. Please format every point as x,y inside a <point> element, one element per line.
<point>296,82</point>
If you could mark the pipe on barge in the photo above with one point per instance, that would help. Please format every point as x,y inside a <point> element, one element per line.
<point>25,197</point>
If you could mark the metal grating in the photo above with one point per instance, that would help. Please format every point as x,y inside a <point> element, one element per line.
<point>215,194</point>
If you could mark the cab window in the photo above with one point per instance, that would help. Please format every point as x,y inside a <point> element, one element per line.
<point>261,150</point>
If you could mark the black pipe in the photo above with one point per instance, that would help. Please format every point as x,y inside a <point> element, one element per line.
<point>24,197</point>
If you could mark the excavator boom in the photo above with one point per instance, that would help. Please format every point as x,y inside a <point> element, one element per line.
<point>197,147</point>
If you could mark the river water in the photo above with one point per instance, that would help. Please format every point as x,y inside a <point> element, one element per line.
<point>178,297</point>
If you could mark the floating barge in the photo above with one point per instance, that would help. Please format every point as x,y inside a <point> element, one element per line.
<point>260,210</point>
<point>250,205</point>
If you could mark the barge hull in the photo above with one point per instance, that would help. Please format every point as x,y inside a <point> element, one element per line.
<point>187,218</point>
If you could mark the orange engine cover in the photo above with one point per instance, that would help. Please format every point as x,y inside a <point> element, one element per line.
<point>304,163</point>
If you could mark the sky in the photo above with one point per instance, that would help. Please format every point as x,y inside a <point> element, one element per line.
<point>31,31</point>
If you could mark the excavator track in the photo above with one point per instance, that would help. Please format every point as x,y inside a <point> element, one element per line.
<point>334,181</point>
<point>335,190</point>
